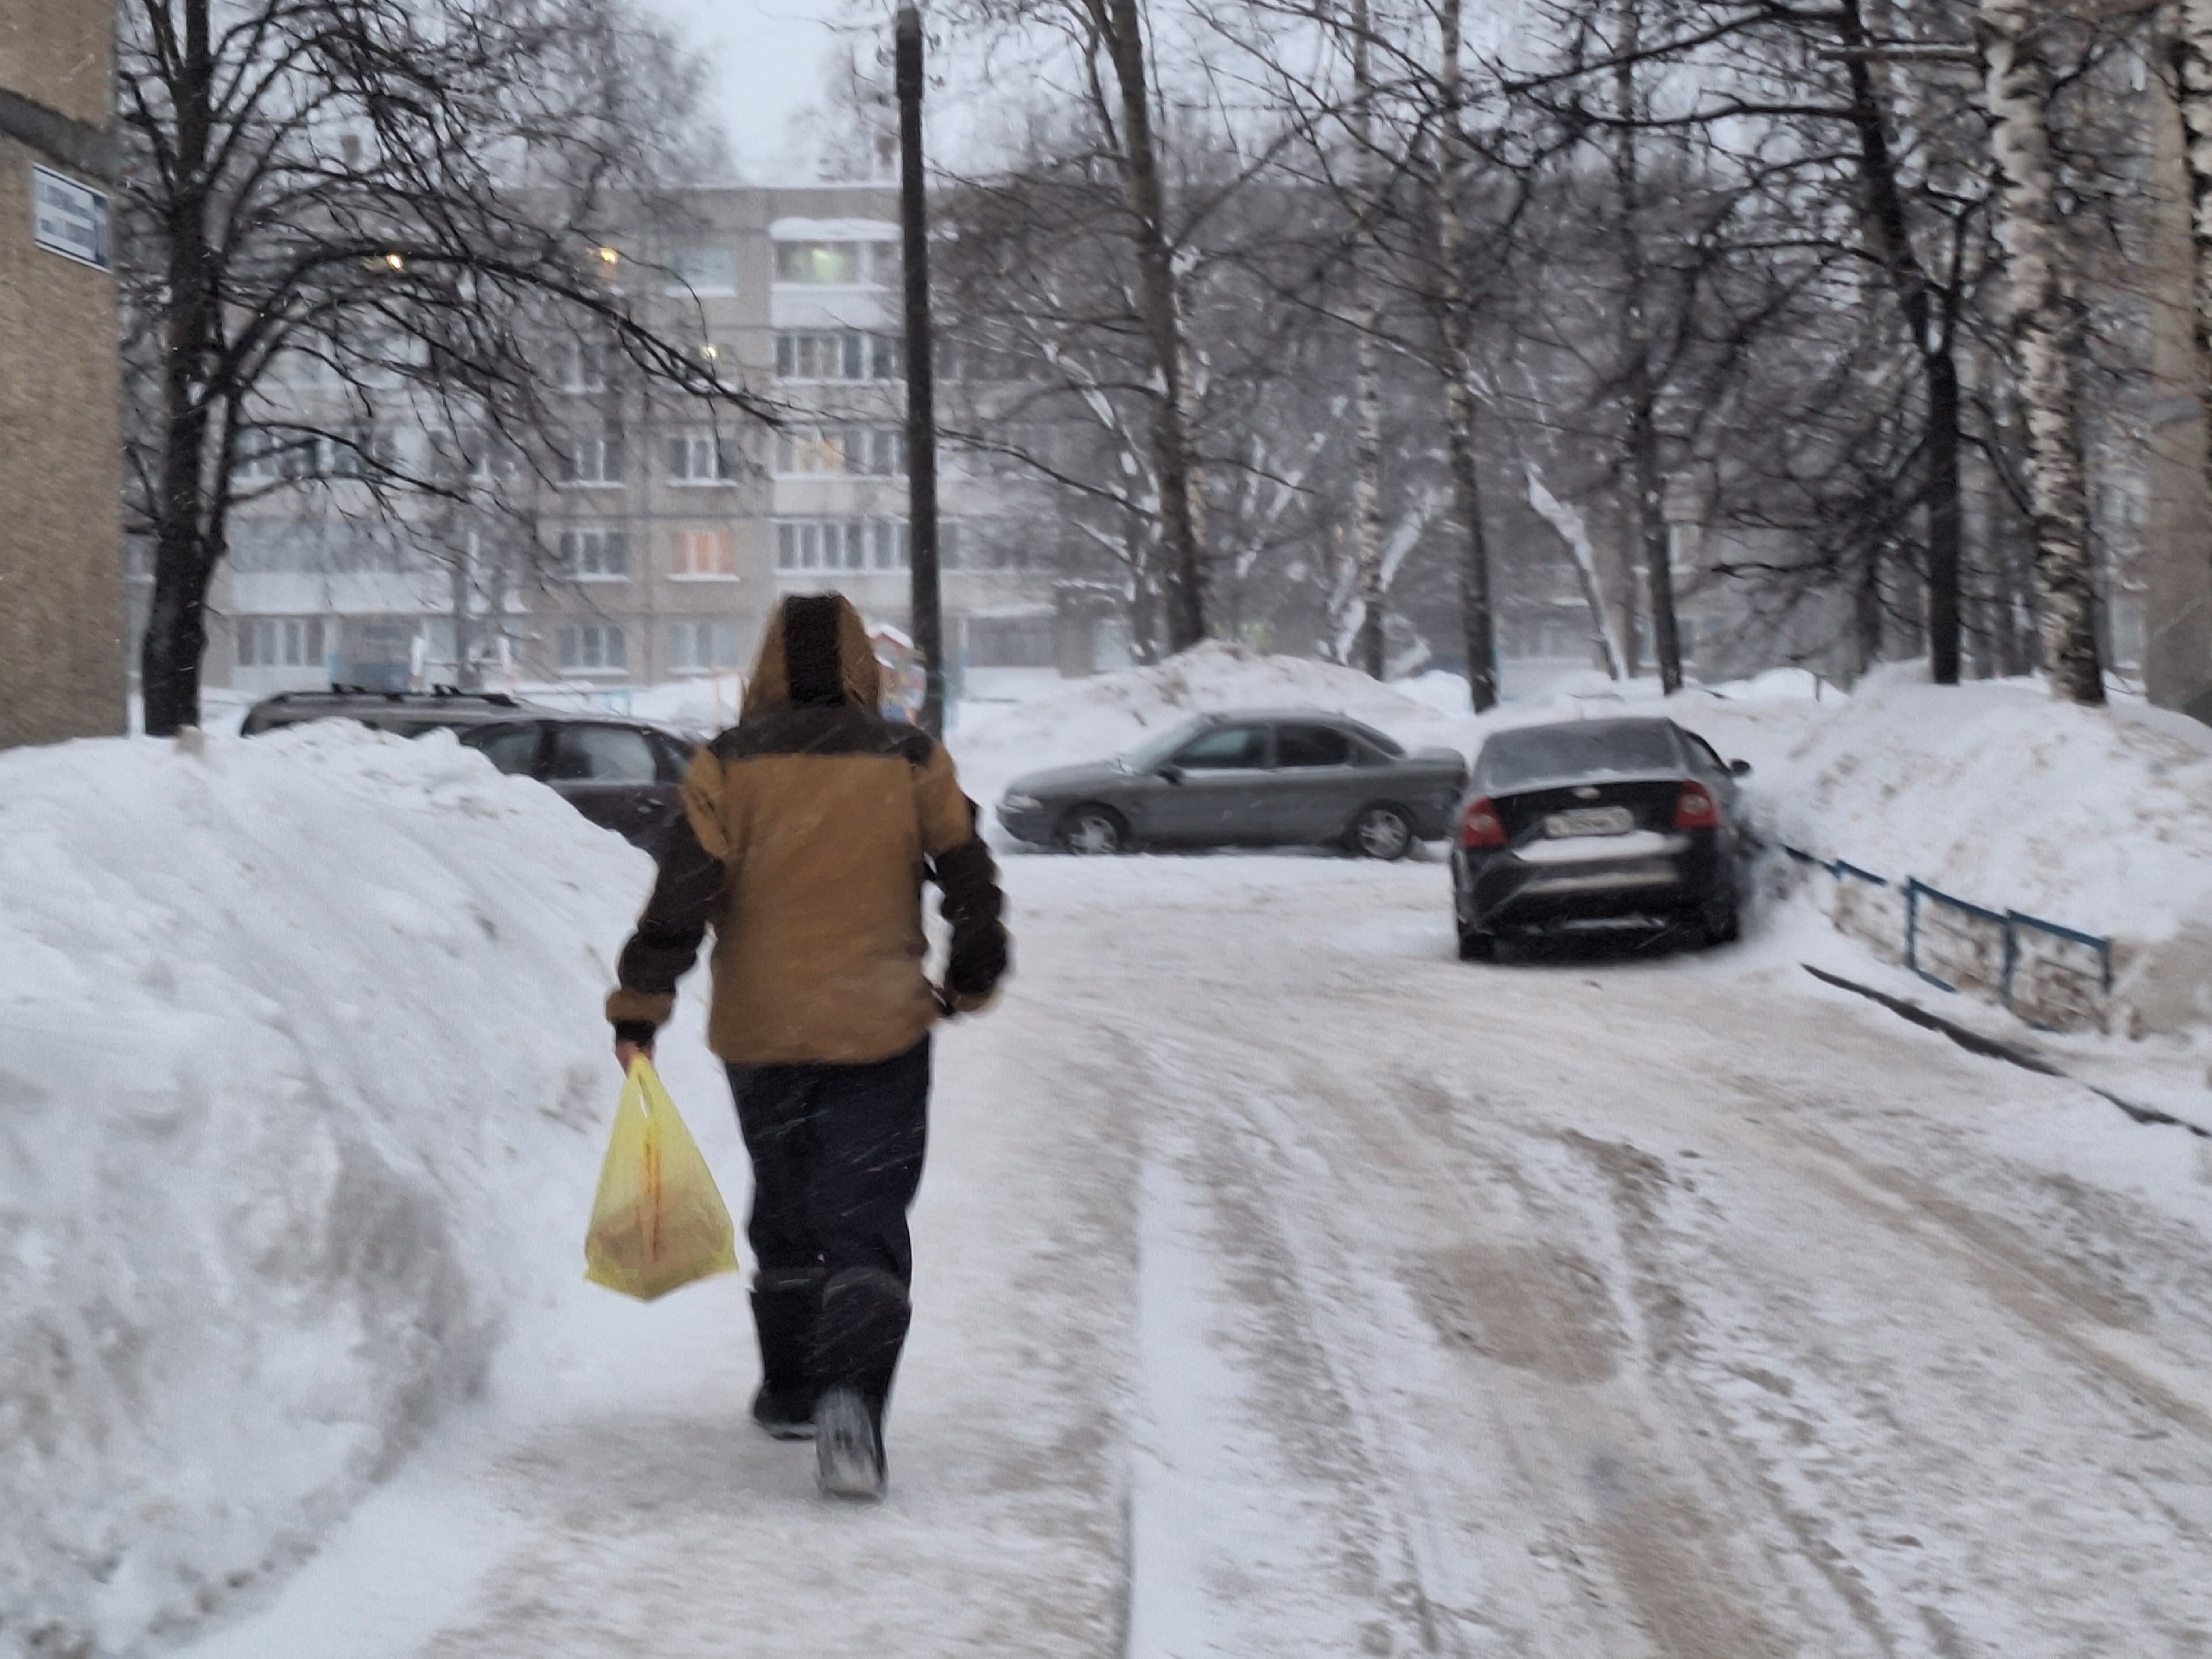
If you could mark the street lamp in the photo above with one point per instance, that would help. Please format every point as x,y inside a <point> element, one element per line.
<point>927,617</point>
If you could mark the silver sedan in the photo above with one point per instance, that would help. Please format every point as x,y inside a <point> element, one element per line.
<point>1254,778</point>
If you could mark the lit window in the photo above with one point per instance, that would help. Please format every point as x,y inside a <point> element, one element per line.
<point>866,451</point>
<point>705,552</point>
<point>832,263</point>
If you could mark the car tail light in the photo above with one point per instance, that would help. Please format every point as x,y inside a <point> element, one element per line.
<point>1695,809</point>
<point>1480,826</point>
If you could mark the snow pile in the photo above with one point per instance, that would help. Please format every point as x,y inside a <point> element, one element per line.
<point>300,1052</point>
<point>2098,819</point>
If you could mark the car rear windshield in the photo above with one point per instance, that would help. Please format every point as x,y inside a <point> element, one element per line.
<point>1548,753</point>
<point>1390,746</point>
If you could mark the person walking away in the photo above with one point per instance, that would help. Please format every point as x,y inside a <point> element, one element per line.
<point>808,830</point>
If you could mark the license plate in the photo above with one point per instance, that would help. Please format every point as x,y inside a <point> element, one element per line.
<point>1591,821</point>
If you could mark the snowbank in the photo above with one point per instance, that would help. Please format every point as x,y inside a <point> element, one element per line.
<point>2098,819</point>
<point>298,1036</point>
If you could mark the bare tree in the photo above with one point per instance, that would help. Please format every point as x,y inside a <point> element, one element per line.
<point>417,194</point>
<point>2045,328</point>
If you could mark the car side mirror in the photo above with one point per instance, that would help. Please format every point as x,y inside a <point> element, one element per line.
<point>1740,768</point>
<point>1171,774</point>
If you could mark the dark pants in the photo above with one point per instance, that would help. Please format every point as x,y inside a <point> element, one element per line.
<point>836,1157</point>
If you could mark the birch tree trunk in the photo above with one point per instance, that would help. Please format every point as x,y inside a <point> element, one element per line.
<point>2044,326</point>
<point>1367,478</point>
<point>1477,622</point>
<point>2191,33</point>
<point>1121,29</point>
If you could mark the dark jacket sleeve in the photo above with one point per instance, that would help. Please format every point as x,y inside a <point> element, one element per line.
<point>972,906</point>
<point>686,894</point>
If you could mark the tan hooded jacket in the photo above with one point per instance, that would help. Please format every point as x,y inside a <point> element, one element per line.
<point>809,828</point>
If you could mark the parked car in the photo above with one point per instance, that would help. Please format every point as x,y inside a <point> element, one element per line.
<point>625,775</point>
<point>406,714</point>
<point>1597,820</point>
<point>1255,778</point>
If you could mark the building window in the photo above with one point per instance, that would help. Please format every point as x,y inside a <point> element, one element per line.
<point>847,354</point>
<point>595,555</point>
<point>804,544</point>
<point>267,457</point>
<point>593,648</point>
<point>705,553</point>
<point>856,451</point>
<point>699,460</point>
<point>364,452</point>
<point>592,460</point>
<point>584,365</point>
<point>838,264</point>
<point>692,646</point>
<point>703,271</point>
<point>281,642</point>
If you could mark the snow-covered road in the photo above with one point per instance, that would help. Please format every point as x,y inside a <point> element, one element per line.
<point>1286,1287</point>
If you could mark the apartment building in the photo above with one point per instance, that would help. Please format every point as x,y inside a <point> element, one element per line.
<point>61,633</point>
<point>660,531</point>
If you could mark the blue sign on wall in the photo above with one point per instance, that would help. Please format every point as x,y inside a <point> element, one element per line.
<point>70,218</point>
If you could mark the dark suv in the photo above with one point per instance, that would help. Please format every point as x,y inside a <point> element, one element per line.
<point>625,775</point>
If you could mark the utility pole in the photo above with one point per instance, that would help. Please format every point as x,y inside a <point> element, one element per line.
<point>928,621</point>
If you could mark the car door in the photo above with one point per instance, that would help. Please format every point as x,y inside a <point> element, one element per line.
<point>612,775</point>
<point>1214,790</point>
<point>514,747</point>
<point>1315,785</point>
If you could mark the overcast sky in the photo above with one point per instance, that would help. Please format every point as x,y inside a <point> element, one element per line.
<point>766,60</point>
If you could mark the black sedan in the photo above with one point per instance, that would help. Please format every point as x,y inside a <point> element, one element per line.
<point>625,775</point>
<point>1599,820</point>
<point>1252,779</point>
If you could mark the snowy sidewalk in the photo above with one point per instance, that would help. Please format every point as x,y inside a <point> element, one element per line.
<point>1287,1288</point>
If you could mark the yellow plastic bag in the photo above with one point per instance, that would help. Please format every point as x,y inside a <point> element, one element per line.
<point>658,1221</point>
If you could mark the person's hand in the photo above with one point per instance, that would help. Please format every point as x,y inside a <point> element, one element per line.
<point>627,1054</point>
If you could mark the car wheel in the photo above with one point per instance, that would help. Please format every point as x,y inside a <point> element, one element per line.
<point>1715,922</point>
<point>1381,832</point>
<point>1094,831</point>
<point>1475,946</point>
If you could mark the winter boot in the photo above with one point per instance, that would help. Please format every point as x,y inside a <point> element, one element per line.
<point>783,1416</point>
<point>784,1306</point>
<point>848,1444</point>
<point>859,1331</point>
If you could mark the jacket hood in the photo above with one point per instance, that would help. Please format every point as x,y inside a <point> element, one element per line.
<point>817,655</point>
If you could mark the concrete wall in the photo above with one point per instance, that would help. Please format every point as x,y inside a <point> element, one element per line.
<point>62,630</point>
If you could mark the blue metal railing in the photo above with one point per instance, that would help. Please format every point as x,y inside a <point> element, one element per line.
<point>2012,928</point>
